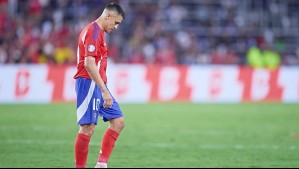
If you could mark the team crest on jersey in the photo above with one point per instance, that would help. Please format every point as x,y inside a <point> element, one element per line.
<point>91,48</point>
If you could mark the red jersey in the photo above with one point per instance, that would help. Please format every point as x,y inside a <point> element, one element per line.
<point>92,43</point>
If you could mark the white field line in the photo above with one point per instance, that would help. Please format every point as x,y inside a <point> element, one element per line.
<point>36,128</point>
<point>159,145</point>
<point>47,142</point>
<point>224,146</point>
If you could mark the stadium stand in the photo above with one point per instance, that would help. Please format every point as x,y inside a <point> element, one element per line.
<point>155,32</point>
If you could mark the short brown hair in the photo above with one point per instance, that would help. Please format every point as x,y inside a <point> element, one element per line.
<point>117,8</point>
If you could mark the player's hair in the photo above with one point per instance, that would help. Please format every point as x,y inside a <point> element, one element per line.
<point>117,8</point>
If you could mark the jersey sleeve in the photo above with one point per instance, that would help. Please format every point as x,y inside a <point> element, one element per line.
<point>91,42</point>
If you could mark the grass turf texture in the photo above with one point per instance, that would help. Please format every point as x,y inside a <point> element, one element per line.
<point>169,135</point>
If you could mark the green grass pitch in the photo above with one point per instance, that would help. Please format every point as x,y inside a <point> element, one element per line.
<point>168,135</point>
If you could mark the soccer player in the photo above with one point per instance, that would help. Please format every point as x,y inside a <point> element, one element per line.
<point>93,96</point>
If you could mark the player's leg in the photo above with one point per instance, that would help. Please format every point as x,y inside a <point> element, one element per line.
<point>82,145</point>
<point>87,115</point>
<point>117,123</point>
<point>109,138</point>
<point>108,142</point>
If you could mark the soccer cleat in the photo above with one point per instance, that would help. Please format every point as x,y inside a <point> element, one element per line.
<point>101,165</point>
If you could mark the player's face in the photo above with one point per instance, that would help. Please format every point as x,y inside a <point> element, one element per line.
<point>113,22</point>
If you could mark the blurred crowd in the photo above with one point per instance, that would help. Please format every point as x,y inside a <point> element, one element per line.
<point>154,32</point>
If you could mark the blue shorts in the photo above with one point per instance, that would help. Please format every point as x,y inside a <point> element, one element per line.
<point>90,103</point>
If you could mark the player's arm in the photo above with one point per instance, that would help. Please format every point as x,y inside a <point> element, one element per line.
<point>92,70</point>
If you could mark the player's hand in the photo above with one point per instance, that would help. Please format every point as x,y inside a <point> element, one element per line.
<point>108,101</point>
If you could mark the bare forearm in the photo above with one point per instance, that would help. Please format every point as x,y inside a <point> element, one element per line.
<point>94,74</point>
<point>92,70</point>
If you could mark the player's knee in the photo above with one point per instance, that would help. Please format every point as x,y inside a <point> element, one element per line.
<point>118,124</point>
<point>122,124</point>
<point>87,129</point>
